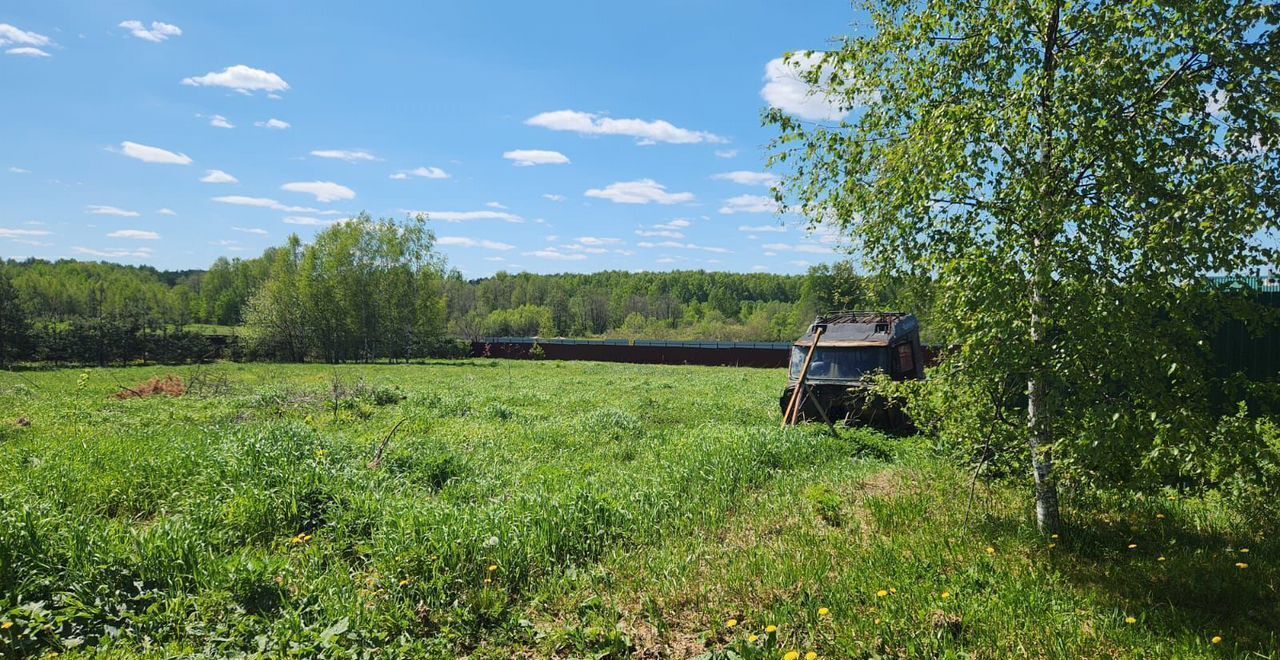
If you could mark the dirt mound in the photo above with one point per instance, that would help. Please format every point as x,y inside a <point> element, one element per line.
<point>170,385</point>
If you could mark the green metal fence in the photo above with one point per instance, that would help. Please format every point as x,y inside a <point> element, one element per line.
<point>1240,350</point>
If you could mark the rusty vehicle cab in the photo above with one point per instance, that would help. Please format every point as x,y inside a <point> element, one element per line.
<point>851,347</point>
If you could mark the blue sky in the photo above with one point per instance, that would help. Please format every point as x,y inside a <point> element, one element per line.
<point>545,137</point>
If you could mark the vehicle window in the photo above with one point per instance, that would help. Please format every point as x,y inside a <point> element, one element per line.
<point>839,364</point>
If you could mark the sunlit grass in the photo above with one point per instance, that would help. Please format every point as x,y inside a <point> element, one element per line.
<point>562,509</point>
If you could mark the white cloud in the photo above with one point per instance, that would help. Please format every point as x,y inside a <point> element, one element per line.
<point>158,32</point>
<point>167,211</point>
<point>530,157</point>
<point>806,248</point>
<point>749,204</point>
<point>800,263</point>
<point>785,89</point>
<point>135,234</point>
<point>344,154</point>
<point>277,124</point>
<point>594,240</point>
<point>644,191</point>
<point>263,202</point>
<point>555,255</point>
<point>667,260</point>
<point>323,191</point>
<point>347,155</point>
<point>243,79</point>
<point>149,154</point>
<point>726,153</point>
<point>142,253</point>
<point>496,205</point>
<point>96,209</point>
<point>27,51</point>
<point>26,43</point>
<point>553,197</point>
<point>462,241</point>
<point>218,176</point>
<point>759,269</point>
<point>250,230</point>
<point>19,170</point>
<point>218,121</point>
<point>20,233</point>
<point>678,223</point>
<point>677,245</point>
<point>659,233</point>
<point>746,178</point>
<point>1217,100</point>
<point>314,222</point>
<point>762,228</point>
<point>424,172</point>
<point>467,216</point>
<point>586,123</point>
<point>10,34</point>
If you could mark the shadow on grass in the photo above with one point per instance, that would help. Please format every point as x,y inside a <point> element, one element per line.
<point>1177,575</point>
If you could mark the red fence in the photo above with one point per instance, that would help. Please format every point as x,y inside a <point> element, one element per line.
<point>737,354</point>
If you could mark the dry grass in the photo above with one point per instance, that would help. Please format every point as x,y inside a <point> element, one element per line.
<point>168,385</point>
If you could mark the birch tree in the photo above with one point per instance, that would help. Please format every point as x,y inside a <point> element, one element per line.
<point>1064,170</point>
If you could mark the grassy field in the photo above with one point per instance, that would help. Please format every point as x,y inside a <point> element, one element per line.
<point>539,509</point>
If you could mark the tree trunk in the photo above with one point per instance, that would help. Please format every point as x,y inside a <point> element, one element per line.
<point>1039,432</point>
<point>1040,439</point>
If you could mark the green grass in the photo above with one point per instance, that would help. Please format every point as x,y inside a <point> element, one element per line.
<point>565,510</point>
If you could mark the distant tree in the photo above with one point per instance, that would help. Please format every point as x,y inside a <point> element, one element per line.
<point>274,315</point>
<point>15,329</point>
<point>1065,170</point>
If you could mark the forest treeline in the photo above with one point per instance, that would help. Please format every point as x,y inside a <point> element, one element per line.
<point>370,288</point>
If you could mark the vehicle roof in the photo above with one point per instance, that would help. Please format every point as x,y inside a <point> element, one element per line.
<point>847,329</point>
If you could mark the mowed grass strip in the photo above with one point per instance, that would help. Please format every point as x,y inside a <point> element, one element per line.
<point>545,509</point>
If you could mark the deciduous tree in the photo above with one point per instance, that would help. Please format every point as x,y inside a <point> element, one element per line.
<point>1066,170</point>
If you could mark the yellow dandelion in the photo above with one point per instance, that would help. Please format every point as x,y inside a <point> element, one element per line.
<point>791,655</point>
<point>822,611</point>
<point>811,656</point>
<point>1244,550</point>
<point>493,567</point>
<point>1159,516</point>
<point>730,623</point>
<point>1241,565</point>
<point>1133,545</point>
<point>1053,536</point>
<point>771,629</point>
<point>1053,545</point>
<point>1217,639</point>
<point>882,593</point>
<point>893,590</point>
<point>753,638</point>
<point>6,625</point>
<point>1160,558</point>
<point>404,582</point>
<point>991,550</point>
<point>877,622</point>
<point>487,581</point>
<point>946,595</point>
<point>1130,620</point>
